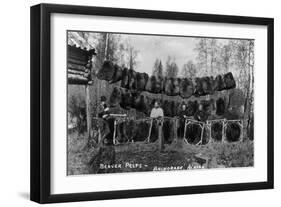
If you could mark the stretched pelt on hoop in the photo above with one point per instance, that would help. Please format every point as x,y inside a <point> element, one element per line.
<point>107,71</point>
<point>126,131</point>
<point>115,97</point>
<point>216,131</point>
<point>233,132</point>
<point>142,131</point>
<point>193,133</point>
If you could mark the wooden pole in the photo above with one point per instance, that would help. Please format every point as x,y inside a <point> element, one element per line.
<point>114,132</point>
<point>149,132</point>
<point>106,47</point>
<point>88,111</point>
<point>224,131</point>
<point>175,124</point>
<point>160,137</point>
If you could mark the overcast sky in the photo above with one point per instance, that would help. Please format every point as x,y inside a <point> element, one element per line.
<point>152,47</point>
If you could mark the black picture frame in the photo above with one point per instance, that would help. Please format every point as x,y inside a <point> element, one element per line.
<point>41,99</point>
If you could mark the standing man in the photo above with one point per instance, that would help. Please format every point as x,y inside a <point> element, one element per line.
<point>157,114</point>
<point>103,114</point>
<point>157,111</point>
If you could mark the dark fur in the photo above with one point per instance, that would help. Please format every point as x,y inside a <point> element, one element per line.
<point>186,88</point>
<point>198,89</point>
<point>167,108</point>
<point>142,131</point>
<point>149,105</point>
<point>207,106</point>
<point>175,108</point>
<point>193,133</point>
<point>107,71</point>
<point>153,84</point>
<point>192,108</point>
<point>127,99</point>
<point>140,104</point>
<point>206,83</point>
<point>219,83</point>
<point>168,131</point>
<point>141,80</point>
<point>132,79</point>
<point>233,132</point>
<point>220,107</point>
<point>125,78</point>
<point>115,97</point>
<point>229,82</point>
<point>117,74</point>
<point>217,131</point>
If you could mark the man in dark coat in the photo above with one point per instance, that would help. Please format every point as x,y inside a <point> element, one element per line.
<point>103,115</point>
<point>183,113</point>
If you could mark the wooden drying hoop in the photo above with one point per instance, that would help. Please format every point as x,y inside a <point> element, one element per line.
<point>191,121</point>
<point>239,122</point>
<point>119,120</point>
<point>209,126</point>
<point>225,123</point>
<point>188,121</point>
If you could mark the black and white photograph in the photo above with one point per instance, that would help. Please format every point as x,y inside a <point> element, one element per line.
<point>133,103</point>
<point>153,102</point>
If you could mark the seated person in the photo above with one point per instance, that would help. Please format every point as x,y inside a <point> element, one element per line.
<point>103,110</point>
